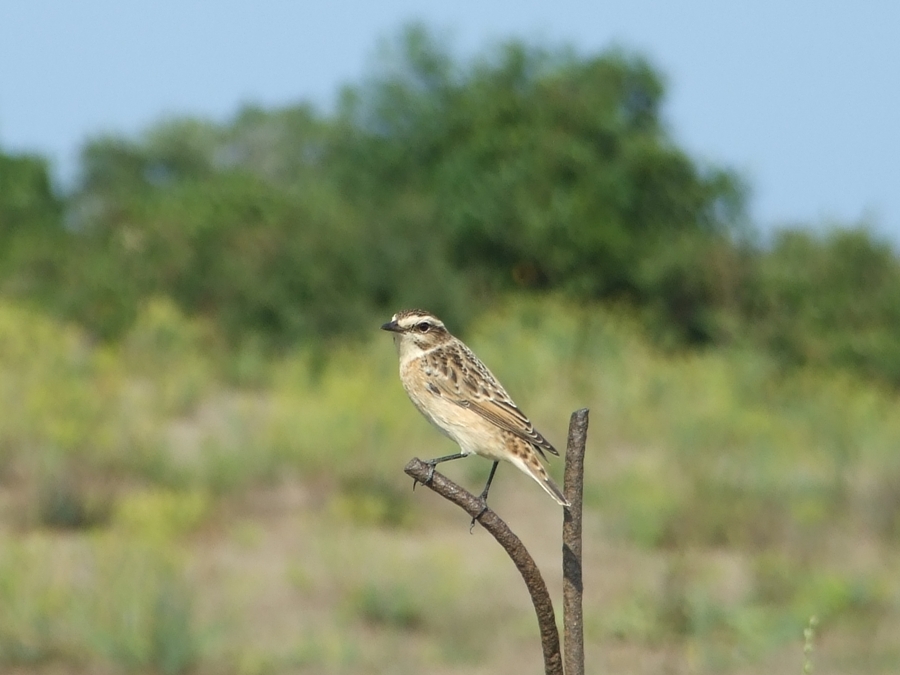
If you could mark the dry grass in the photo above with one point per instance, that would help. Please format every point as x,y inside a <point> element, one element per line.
<point>156,517</point>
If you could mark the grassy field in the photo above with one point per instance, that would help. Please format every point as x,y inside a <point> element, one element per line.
<point>167,506</point>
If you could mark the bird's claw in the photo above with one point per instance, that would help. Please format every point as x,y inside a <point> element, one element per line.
<point>428,478</point>
<point>484,508</point>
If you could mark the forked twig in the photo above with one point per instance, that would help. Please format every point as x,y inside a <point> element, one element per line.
<point>573,590</point>
<point>513,546</point>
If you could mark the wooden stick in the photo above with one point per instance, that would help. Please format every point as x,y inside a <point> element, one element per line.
<point>573,586</point>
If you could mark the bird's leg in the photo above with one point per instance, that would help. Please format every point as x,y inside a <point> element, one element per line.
<point>434,462</point>
<point>484,494</point>
<point>487,486</point>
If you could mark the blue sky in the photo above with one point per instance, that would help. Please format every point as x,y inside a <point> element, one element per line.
<point>802,97</point>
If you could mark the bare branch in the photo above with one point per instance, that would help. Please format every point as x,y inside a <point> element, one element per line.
<point>513,546</point>
<point>573,587</point>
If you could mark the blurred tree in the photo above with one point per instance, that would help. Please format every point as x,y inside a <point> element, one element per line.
<point>244,223</point>
<point>31,230</point>
<point>441,183</point>
<point>541,169</point>
<point>27,199</point>
<point>830,298</point>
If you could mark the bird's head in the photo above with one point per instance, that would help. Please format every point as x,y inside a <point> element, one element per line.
<point>416,331</point>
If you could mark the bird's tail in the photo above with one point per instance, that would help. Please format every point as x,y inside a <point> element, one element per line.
<point>531,465</point>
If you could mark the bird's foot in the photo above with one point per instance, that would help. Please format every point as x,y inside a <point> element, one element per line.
<point>484,508</point>
<point>428,478</point>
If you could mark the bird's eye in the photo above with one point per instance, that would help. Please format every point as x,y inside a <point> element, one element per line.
<point>423,327</point>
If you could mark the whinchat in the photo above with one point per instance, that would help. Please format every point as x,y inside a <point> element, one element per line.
<point>457,393</point>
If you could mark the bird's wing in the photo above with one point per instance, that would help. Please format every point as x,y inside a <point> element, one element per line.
<point>469,384</point>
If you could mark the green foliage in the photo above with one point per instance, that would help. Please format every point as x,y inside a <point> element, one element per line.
<point>31,228</point>
<point>63,502</point>
<point>535,200</point>
<point>442,183</point>
<point>832,299</point>
<point>75,412</point>
<point>436,182</point>
<point>542,169</point>
<point>27,199</point>
<point>740,482</point>
<point>369,501</point>
<point>111,599</point>
<point>397,606</point>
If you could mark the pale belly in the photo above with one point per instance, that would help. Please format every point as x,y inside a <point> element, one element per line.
<point>473,433</point>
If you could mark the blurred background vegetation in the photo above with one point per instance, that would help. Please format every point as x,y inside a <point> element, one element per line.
<point>201,436</point>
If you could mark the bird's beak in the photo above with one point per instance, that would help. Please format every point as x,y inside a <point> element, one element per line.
<point>392,326</point>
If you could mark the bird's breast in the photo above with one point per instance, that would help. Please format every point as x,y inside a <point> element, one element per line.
<point>471,431</point>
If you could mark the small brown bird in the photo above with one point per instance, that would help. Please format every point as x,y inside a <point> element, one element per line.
<point>456,392</point>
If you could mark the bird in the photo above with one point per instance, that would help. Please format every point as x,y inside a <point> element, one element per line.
<point>457,393</point>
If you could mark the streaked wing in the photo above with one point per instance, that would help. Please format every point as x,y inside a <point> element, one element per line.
<point>461,378</point>
<point>508,416</point>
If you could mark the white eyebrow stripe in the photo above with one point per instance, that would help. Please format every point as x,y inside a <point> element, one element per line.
<point>410,321</point>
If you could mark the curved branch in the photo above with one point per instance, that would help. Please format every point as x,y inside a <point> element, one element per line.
<point>513,546</point>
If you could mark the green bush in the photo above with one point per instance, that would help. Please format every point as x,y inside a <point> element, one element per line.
<point>831,300</point>
<point>444,183</point>
<point>436,182</point>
